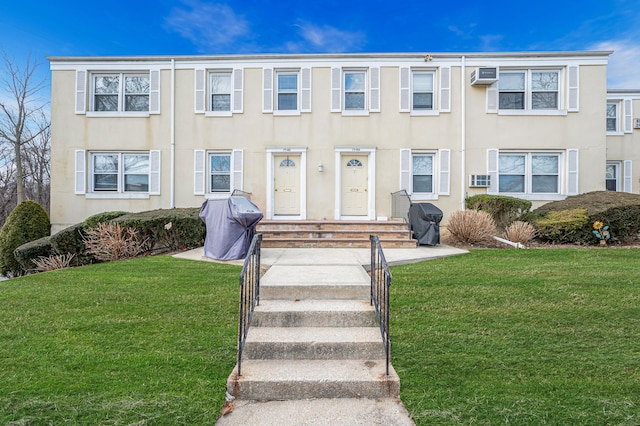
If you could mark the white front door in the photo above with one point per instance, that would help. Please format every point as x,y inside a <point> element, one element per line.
<point>354,181</point>
<point>286,185</point>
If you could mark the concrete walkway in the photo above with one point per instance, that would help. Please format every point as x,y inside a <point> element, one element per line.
<point>299,266</point>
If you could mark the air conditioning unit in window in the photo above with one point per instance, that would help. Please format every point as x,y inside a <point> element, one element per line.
<point>479,181</point>
<point>483,76</point>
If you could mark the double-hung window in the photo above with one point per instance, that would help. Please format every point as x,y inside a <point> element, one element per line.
<point>287,90</point>
<point>220,91</point>
<point>422,173</point>
<point>613,116</point>
<point>355,89</point>
<point>117,92</point>
<point>529,90</point>
<point>119,172</point>
<point>529,173</point>
<point>422,90</point>
<point>219,168</point>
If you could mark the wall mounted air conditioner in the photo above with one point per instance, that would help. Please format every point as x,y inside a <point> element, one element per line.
<point>480,181</point>
<point>483,76</point>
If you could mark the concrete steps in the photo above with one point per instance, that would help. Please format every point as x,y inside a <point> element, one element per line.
<point>314,335</point>
<point>333,234</point>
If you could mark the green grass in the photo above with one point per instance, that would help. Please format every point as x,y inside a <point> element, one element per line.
<point>526,337</point>
<point>150,340</point>
<point>523,337</point>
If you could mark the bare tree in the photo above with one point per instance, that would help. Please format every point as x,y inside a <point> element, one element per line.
<point>21,114</point>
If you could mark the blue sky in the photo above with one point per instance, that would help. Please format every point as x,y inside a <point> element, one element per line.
<point>184,27</point>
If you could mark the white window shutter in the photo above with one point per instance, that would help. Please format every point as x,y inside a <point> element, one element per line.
<point>236,169</point>
<point>200,93</point>
<point>628,116</point>
<point>574,95</point>
<point>154,92</point>
<point>572,172</point>
<point>336,89</point>
<point>445,172</point>
<point>81,92</point>
<point>374,92</point>
<point>405,170</point>
<point>154,172</point>
<point>267,90</point>
<point>445,89</point>
<point>238,90</point>
<point>405,89</point>
<point>305,90</point>
<point>81,172</point>
<point>627,182</point>
<point>492,170</point>
<point>492,98</point>
<point>199,171</point>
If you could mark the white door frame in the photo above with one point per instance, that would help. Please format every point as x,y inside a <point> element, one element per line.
<point>345,151</point>
<point>271,152</point>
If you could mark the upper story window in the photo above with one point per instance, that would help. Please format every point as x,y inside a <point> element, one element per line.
<point>120,92</point>
<point>529,90</point>
<point>355,91</point>
<point>220,91</point>
<point>529,173</point>
<point>422,90</point>
<point>287,91</point>
<point>119,172</point>
<point>613,117</point>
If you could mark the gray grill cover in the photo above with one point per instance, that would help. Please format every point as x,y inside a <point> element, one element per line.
<point>231,225</point>
<point>424,219</point>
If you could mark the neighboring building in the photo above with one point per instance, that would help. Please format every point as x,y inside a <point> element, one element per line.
<point>331,136</point>
<point>623,140</point>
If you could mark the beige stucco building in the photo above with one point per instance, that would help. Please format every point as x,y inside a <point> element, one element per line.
<point>332,136</point>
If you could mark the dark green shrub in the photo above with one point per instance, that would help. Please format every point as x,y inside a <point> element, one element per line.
<point>504,210</point>
<point>27,222</point>
<point>170,229</point>
<point>70,241</point>
<point>619,210</point>
<point>564,226</point>
<point>28,252</point>
<point>93,221</point>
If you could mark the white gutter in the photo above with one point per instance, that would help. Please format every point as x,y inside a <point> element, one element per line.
<point>173,134</point>
<point>463,135</point>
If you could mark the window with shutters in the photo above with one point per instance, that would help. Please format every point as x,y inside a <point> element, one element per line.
<point>119,172</point>
<point>529,90</point>
<point>120,92</point>
<point>218,92</point>
<point>529,172</point>
<point>425,174</point>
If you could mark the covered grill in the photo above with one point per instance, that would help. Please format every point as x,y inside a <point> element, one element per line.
<point>424,221</point>
<point>231,225</point>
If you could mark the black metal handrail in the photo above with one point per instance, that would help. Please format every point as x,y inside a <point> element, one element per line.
<point>249,293</point>
<point>380,283</point>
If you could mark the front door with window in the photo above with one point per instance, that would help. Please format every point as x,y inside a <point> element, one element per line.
<point>355,179</point>
<point>286,185</point>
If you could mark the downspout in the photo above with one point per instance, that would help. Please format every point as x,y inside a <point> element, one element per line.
<point>463,135</point>
<point>173,134</point>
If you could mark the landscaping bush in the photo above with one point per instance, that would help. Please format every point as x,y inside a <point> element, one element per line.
<point>71,241</point>
<point>504,210</point>
<point>471,226</point>
<point>171,229</point>
<point>53,262</point>
<point>27,222</point>
<point>93,221</point>
<point>28,253</point>
<point>619,210</point>
<point>520,232</point>
<point>109,242</point>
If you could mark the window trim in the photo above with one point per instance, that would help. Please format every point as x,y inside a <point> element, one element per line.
<point>528,175</point>
<point>618,179</point>
<point>434,174</point>
<point>120,112</point>
<point>209,173</point>
<point>210,94</point>
<point>562,108</point>
<point>365,107</point>
<point>276,92</point>
<point>441,173</point>
<point>434,96</point>
<point>120,192</point>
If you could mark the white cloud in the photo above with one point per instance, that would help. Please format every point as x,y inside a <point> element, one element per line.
<point>622,72</point>
<point>211,27</point>
<point>325,38</point>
